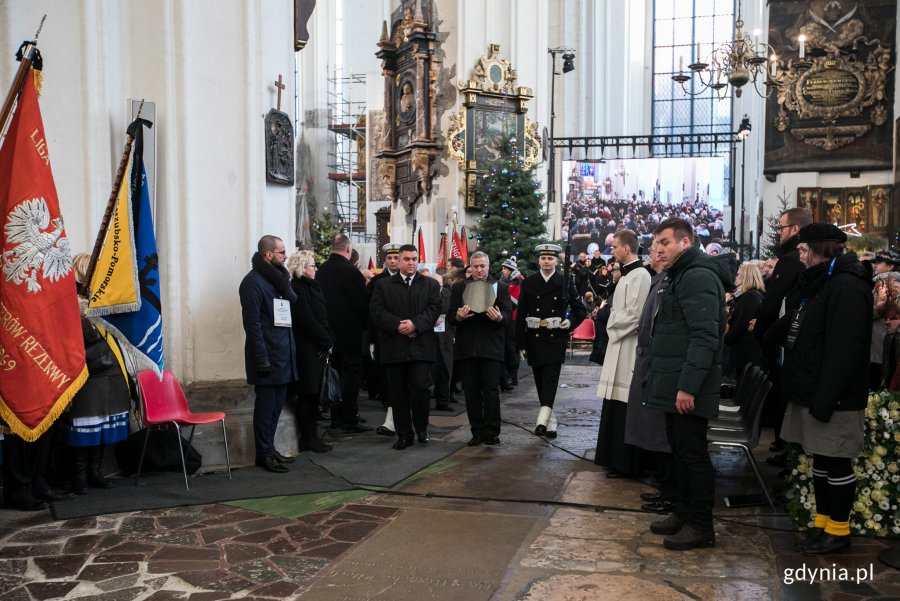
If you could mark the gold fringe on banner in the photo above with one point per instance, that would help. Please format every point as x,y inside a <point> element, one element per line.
<point>62,403</point>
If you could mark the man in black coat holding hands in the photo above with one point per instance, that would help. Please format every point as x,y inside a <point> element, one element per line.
<point>479,350</point>
<point>269,352</point>
<point>404,308</point>
<point>549,309</point>
<point>344,288</point>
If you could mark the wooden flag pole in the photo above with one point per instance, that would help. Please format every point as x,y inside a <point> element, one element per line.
<point>28,51</point>
<point>111,203</point>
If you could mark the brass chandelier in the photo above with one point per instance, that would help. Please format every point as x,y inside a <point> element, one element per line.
<point>737,63</point>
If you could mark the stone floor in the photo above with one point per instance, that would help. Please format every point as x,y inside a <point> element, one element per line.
<point>524,520</point>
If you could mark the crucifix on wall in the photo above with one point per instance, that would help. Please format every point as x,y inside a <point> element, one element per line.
<point>279,142</point>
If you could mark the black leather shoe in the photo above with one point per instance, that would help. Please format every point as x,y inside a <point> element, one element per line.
<point>650,497</point>
<point>361,420</point>
<point>659,506</point>
<point>475,441</point>
<point>270,464</point>
<point>550,435</point>
<point>540,430</point>
<point>51,494</point>
<point>355,429</point>
<point>383,431</point>
<point>505,386</point>
<point>827,544</point>
<point>812,535</point>
<point>282,458</point>
<point>402,443</point>
<point>443,407</point>
<point>423,437</point>
<point>492,441</point>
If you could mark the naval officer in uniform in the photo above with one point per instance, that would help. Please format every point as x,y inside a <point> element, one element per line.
<point>549,309</point>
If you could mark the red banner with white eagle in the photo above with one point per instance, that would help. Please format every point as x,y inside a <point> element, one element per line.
<point>42,363</point>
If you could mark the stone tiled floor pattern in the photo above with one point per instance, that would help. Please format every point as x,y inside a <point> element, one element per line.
<point>200,553</point>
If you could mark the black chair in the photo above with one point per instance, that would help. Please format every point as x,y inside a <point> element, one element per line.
<point>746,436</point>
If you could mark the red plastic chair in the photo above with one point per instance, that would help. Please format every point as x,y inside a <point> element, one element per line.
<point>583,333</point>
<point>164,403</point>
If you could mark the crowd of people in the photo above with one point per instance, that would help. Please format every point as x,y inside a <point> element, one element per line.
<point>669,324</point>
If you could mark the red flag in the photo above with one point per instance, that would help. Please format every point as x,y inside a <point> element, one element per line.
<point>371,263</point>
<point>442,253</point>
<point>421,247</point>
<point>455,246</point>
<point>464,247</point>
<point>41,345</point>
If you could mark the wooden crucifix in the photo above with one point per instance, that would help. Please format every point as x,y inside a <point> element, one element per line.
<point>280,87</point>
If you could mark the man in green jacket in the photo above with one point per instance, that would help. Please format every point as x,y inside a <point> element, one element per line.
<point>685,375</point>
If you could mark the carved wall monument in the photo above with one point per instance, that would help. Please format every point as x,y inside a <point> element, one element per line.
<point>493,107</point>
<point>409,144</point>
<point>833,111</point>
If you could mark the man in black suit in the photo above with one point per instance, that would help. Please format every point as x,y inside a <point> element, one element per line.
<point>344,288</point>
<point>549,309</point>
<point>480,349</point>
<point>404,308</point>
<point>391,252</point>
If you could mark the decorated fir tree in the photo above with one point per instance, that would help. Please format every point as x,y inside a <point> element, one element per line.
<point>323,230</point>
<point>773,235</point>
<point>512,217</point>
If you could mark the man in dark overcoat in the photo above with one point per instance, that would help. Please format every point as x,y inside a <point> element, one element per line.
<point>344,288</point>
<point>404,308</point>
<point>269,349</point>
<point>391,267</point>
<point>479,350</point>
<point>549,309</point>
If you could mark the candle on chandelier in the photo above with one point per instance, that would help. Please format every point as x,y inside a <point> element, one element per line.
<point>680,64</point>
<point>698,53</point>
<point>802,46</point>
<point>774,64</point>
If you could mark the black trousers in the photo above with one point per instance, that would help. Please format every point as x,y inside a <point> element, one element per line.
<point>408,383</point>
<point>266,411</point>
<point>693,469</point>
<point>440,375</point>
<point>546,380</point>
<point>665,470</point>
<point>350,368</point>
<point>511,355</point>
<point>481,384</point>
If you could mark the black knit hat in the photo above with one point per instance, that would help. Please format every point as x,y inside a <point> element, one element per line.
<point>821,232</point>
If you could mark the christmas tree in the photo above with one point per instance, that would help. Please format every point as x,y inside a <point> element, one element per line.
<point>512,217</point>
<point>323,230</point>
<point>773,236</point>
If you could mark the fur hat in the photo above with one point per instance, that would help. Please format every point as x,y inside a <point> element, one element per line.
<point>821,232</point>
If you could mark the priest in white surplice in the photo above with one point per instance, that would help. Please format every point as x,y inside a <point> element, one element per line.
<point>631,291</point>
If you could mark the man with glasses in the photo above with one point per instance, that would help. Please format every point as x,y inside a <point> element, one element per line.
<point>269,351</point>
<point>782,280</point>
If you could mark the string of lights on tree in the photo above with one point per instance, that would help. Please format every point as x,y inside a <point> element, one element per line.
<point>511,222</point>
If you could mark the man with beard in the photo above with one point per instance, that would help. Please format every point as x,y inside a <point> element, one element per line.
<point>549,309</point>
<point>269,351</point>
<point>479,349</point>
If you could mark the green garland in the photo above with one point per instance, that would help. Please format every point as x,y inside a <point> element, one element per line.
<point>876,510</point>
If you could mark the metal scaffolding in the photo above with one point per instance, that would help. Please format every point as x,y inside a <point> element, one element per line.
<point>347,158</point>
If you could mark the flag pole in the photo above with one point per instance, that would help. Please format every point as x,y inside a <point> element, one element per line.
<point>27,56</point>
<point>113,196</point>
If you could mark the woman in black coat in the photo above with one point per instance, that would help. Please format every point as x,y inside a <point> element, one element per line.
<point>826,332</point>
<point>309,321</point>
<point>743,346</point>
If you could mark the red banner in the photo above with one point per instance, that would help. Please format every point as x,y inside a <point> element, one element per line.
<point>41,347</point>
<point>464,245</point>
<point>455,246</point>
<point>421,247</point>
<point>442,253</point>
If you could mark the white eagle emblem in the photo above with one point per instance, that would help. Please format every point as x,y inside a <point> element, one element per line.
<point>37,246</point>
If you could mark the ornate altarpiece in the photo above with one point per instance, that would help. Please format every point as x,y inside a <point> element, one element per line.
<point>408,145</point>
<point>833,111</point>
<point>493,107</point>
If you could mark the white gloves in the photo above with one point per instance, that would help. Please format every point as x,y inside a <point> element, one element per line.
<point>533,322</point>
<point>565,324</point>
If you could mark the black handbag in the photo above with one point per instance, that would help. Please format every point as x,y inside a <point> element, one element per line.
<point>330,394</point>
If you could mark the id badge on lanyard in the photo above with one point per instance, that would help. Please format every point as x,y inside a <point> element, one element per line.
<point>282,313</point>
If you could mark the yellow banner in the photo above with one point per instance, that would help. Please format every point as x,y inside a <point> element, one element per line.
<point>114,285</point>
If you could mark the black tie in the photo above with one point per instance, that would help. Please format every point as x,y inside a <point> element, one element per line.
<point>408,280</point>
